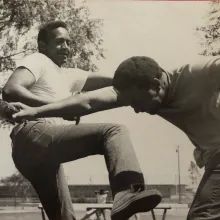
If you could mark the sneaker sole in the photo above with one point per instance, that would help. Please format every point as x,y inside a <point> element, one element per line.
<point>141,203</point>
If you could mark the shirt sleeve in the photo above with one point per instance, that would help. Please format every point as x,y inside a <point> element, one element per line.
<point>79,78</point>
<point>34,63</point>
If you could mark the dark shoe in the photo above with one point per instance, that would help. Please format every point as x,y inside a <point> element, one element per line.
<point>129,202</point>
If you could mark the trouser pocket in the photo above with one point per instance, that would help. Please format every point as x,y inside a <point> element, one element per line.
<point>37,145</point>
<point>31,147</point>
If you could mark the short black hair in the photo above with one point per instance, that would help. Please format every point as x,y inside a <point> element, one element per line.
<point>45,30</point>
<point>138,70</point>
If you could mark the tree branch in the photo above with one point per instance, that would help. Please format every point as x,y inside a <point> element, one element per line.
<point>11,55</point>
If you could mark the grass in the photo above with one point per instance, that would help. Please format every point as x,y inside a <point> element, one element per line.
<point>36,215</point>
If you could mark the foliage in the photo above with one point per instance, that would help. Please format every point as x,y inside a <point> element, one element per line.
<point>209,33</point>
<point>194,174</point>
<point>20,20</point>
<point>18,184</point>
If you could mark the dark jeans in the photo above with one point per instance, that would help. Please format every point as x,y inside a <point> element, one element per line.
<point>40,148</point>
<point>206,204</point>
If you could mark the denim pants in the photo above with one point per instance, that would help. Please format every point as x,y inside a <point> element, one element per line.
<point>206,204</point>
<point>40,148</point>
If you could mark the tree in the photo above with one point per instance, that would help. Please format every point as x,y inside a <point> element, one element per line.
<point>209,33</point>
<point>194,174</point>
<point>17,184</point>
<point>21,19</point>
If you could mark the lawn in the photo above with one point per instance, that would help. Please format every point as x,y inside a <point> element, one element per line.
<point>36,215</point>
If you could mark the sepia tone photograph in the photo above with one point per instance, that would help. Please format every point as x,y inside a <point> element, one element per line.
<point>109,110</point>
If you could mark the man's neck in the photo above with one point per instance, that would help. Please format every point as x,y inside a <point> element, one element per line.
<point>57,64</point>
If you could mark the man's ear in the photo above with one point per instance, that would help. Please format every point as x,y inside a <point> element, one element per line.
<point>156,82</point>
<point>156,85</point>
<point>159,88</point>
<point>42,46</point>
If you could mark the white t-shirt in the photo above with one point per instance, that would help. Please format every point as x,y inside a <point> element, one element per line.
<point>101,198</point>
<point>53,82</point>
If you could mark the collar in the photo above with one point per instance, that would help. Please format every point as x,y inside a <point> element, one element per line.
<point>168,91</point>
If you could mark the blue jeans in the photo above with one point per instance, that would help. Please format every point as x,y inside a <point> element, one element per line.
<point>40,148</point>
<point>206,204</point>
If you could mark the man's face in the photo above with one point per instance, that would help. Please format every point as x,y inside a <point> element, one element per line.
<point>57,48</point>
<point>142,100</point>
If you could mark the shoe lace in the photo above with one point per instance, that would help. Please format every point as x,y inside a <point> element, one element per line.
<point>137,188</point>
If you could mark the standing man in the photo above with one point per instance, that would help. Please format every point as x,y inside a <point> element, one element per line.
<point>101,197</point>
<point>40,146</point>
<point>188,97</point>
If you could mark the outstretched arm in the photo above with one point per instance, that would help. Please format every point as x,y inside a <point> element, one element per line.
<point>97,81</point>
<point>77,105</point>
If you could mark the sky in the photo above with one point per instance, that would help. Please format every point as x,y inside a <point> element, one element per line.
<point>166,32</point>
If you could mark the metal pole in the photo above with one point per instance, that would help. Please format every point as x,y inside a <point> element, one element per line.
<point>178,155</point>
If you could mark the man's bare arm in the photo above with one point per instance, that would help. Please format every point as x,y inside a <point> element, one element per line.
<point>77,105</point>
<point>17,89</point>
<point>97,81</point>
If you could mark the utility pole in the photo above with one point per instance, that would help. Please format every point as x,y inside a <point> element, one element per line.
<point>178,159</point>
<point>91,189</point>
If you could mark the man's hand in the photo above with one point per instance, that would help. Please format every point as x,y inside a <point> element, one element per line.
<point>25,112</point>
<point>7,110</point>
<point>72,118</point>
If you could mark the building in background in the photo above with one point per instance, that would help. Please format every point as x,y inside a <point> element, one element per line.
<point>86,193</point>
